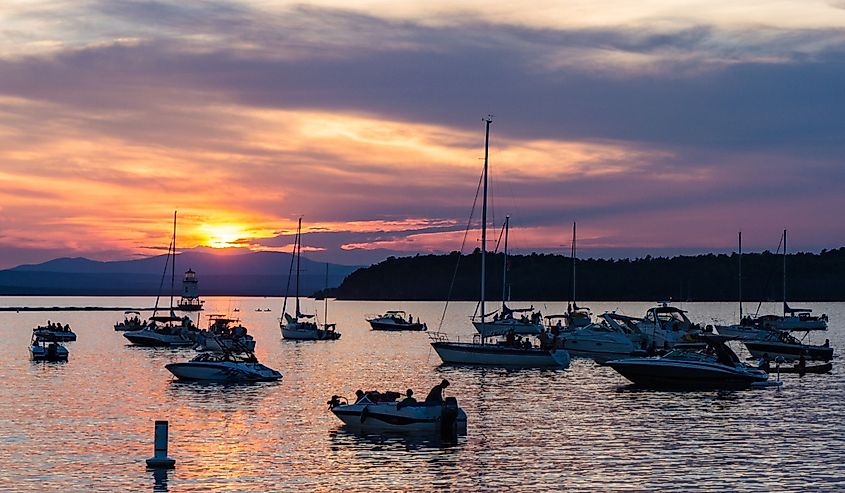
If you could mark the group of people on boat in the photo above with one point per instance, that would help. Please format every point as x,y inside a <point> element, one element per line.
<point>435,395</point>
<point>56,327</point>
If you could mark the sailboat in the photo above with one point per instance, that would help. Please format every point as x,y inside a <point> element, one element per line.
<point>504,320</point>
<point>165,330</point>
<point>302,326</point>
<point>492,352</point>
<point>575,317</point>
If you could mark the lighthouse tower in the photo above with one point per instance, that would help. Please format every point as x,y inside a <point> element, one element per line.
<point>190,301</point>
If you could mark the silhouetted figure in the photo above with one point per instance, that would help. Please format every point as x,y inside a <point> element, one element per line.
<point>436,394</point>
<point>764,363</point>
<point>409,399</point>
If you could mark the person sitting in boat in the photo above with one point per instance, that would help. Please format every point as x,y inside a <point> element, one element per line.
<point>410,318</point>
<point>802,362</point>
<point>436,393</point>
<point>67,327</point>
<point>408,400</point>
<point>510,338</point>
<point>826,343</point>
<point>359,394</point>
<point>526,344</point>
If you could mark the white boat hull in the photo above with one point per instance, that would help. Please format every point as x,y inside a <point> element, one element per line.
<point>223,371</point>
<point>152,338</point>
<point>394,417</point>
<point>601,349</point>
<point>462,353</point>
<point>303,332</point>
<point>743,333</point>
<point>504,326</point>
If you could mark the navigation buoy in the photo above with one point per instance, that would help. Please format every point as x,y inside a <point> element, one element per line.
<point>160,458</point>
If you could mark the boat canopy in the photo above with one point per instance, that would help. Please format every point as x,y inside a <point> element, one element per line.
<point>394,312</point>
<point>166,318</point>
<point>131,312</point>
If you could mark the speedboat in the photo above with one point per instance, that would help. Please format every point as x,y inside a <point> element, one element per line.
<point>788,347</point>
<point>43,350</point>
<point>223,367</point>
<point>388,415</point>
<point>54,332</point>
<point>665,326</point>
<point>608,339</point>
<point>131,321</point>
<point>710,364</point>
<point>395,320</point>
<point>164,331</point>
<point>222,333</point>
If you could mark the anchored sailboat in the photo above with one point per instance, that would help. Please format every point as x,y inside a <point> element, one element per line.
<point>494,353</point>
<point>302,326</point>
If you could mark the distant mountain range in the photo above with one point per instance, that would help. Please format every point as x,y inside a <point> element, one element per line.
<point>248,274</point>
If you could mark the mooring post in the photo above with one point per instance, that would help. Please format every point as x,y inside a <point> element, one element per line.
<point>160,459</point>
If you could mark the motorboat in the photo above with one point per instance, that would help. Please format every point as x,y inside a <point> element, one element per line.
<point>821,368</point>
<point>224,366</point>
<point>395,320</point>
<point>664,326</point>
<point>370,412</point>
<point>785,345</point>
<point>224,332</point>
<point>131,321</point>
<point>41,349</point>
<point>491,351</point>
<point>302,326</point>
<point>708,364</point>
<point>54,332</point>
<point>610,338</point>
<point>164,331</point>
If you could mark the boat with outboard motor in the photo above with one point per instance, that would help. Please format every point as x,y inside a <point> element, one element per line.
<point>223,332</point>
<point>707,364</point>
<point>303,326</point>
<point>54,332</point>
<point>395,320</point>
<point>608,339</point>
<point>226,366</point>
<point>790,348</point>
<point>131,321</point>
<point>497,353</point>
<point>46,349</point>
<point>374,411</point>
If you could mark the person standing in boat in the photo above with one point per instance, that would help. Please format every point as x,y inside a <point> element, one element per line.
<point>436,394</point>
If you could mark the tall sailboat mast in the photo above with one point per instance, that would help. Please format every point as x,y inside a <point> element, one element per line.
<point>784,272</point>
<point>505,266</point>
<point>487,121</point>
<point>326,299</point>
<point>298,253</point>
<point>572,290</point>
<point>173,265</point>
<point>740,277</point>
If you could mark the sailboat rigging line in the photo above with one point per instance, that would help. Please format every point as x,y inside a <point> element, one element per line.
<point>163,273</point>
<point>290,272</point>
<point>463,244</point>
<point>173,266</point>
<point>768,281</point>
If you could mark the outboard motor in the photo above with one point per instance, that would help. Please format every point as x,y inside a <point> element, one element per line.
<point>449,420</point>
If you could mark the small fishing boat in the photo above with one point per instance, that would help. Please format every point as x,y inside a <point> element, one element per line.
<point>41,349</point>
<point>375,414</point>
<point>224,332</point>
<point>395,320</point>
<point>710,364</point>
<point>131,321</point>
<point>785,345</point>
<point>225,367</point>
<point>54,332</point>
<point>303,326</point>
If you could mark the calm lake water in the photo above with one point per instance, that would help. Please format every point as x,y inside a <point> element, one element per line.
<point>86,425</point>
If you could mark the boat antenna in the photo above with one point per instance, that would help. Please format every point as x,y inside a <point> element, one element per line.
<point>173,265</point>
<point>488,120</point>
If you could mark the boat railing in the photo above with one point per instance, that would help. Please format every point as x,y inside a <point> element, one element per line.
<point>438,337</point>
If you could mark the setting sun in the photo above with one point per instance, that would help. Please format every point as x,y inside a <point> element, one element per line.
<point>222,235</point>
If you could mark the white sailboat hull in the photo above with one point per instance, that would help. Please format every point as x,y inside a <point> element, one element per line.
<point>504,326</point>
<point>461,353</point>
<point>307,332</point>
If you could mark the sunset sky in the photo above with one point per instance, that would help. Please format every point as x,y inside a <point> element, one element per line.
<point>661,126</point>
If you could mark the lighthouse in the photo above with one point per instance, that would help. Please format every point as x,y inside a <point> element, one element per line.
<point>190,301</point>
